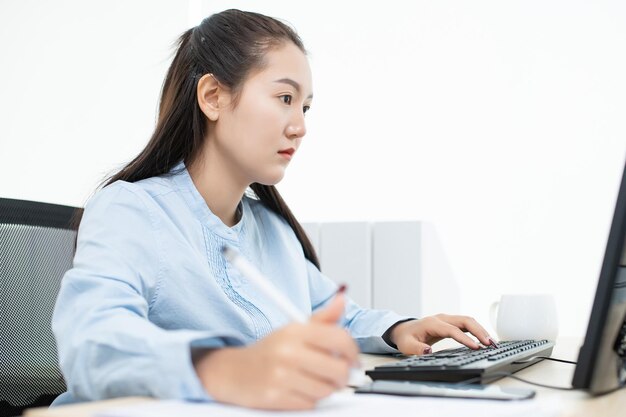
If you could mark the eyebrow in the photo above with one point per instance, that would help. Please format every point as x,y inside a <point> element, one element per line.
<point>292,83</point>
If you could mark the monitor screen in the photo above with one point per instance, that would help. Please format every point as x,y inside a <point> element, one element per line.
<point>601,364</point>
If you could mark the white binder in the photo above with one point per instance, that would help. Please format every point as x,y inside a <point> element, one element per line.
<point>397,262</point>
<point>400,266</point>
<point>346,257</point>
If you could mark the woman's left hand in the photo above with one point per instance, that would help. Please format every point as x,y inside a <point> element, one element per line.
<point>415,337</point>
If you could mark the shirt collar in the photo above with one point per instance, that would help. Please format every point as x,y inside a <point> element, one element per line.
<point>201,210</point>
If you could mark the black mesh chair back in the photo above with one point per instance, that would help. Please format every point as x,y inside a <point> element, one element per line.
<point>37,244</point>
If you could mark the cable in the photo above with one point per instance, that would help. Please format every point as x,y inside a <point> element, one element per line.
<point>532,358</point>
<point>498,375</point>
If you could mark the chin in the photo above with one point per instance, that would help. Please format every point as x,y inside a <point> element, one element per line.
<point>272,178</point>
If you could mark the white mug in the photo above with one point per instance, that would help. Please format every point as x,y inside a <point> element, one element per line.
<point>525,316</point>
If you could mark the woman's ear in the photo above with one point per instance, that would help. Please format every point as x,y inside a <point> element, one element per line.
<point>208,93</point>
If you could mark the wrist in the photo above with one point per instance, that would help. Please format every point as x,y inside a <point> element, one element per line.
<point>390,334</point>
<point>211,366</point>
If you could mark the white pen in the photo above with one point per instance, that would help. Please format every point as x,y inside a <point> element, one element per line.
<point>249,271</point>
<point>357,377</point>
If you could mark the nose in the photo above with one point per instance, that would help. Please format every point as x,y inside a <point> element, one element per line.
<point>296,127</point>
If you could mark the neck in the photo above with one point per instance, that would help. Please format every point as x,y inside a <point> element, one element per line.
<point>219,188</point>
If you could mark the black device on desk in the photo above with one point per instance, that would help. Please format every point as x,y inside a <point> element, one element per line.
<point>601,364</point>
<point>463,363</point>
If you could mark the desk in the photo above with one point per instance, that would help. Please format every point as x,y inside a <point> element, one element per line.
<point>575,403</point>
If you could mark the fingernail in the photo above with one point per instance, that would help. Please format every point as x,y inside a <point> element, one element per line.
<point>493,342</point>
<point>342,288</point>
<point>427,351</point>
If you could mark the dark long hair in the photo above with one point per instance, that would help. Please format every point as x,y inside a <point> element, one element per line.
<point>228,45</point>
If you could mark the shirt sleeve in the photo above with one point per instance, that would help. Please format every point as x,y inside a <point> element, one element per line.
<point>366,326</point>
<point>107,346</point>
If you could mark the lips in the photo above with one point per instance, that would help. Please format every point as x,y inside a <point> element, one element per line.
<point>289,151</point>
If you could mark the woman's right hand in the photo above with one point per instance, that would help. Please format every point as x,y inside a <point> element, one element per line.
<point>290,369</point>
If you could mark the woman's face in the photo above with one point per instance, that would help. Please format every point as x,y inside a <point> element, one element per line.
<point>258,136</point>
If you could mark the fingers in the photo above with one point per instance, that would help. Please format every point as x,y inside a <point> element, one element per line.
<point>331,369</point>
<point>412,346</point>
<point>468,324</point>
<point>332,339</point>
<point>303,393</point>
<point>296,391</point>
<point>458,335</point>
<point>414,337</point>
<point>314,361</point>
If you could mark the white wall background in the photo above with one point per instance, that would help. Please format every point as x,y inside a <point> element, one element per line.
<point>500,122</point>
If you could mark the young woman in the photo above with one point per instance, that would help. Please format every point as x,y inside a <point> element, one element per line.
<point>151,307</point>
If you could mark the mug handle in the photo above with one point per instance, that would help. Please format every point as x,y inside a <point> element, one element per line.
<point>493,313</point>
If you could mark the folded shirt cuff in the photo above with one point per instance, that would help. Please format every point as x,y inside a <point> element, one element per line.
<point>190,387</point>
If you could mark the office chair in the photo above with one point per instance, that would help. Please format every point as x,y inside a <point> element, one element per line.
<point>37,242</point>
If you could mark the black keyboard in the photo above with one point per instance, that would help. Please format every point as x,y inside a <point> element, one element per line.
<point>461,364</point>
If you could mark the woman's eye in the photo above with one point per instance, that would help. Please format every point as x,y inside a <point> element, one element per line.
<point>306,109</point>
<point>286,99</point>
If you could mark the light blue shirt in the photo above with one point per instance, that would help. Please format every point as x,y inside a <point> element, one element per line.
<point>149,283</point>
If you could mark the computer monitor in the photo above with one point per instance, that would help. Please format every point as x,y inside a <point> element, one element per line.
<point>601,364</point>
